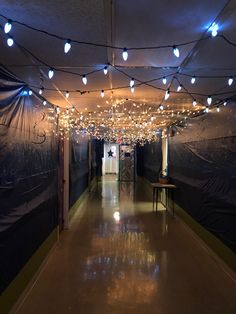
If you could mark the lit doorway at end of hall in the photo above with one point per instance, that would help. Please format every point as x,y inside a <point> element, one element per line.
<point>110,162</point>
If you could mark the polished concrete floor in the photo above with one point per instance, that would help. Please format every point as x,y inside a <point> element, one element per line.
<point>120,257</point>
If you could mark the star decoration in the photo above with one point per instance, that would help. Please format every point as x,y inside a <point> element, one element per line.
<point>110,153</point>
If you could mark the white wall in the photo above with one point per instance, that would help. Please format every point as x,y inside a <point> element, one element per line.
<point>110,164</point>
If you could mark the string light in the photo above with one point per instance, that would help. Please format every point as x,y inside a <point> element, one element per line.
<point>161,107</point>
<point>30,92</point>
<point>209,100</point>
<point>194,102</point>
<point>67,46</point>
<point>132,89</point>
<point>44,102</point>
<point>41,91</point>
<point>102,93</point>
<point>8,26</point>
<point>131,83</point>
<point>230,81</point>
<point>10,41</point>
<point>105,70</point>
<point>179,88</point>
<point>167,94</point>
<point>164,80</point>
<point>84,79</point>
<point>206,109</point>
<point>176,51</point>
<point>125,54</point>
<point>57,110</point>
<point>225,103</point>
<point>214,29</point>
<point>193,79</point>
<point>50,73</point>
<point>67,94</point>
<point>218,109</point>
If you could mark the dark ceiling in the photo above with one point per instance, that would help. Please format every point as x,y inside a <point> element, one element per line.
<point>122,23</point>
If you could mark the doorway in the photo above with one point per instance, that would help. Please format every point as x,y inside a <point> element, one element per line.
<point>110,161</point>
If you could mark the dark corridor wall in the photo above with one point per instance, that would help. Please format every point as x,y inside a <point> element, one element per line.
<point>202,163</point>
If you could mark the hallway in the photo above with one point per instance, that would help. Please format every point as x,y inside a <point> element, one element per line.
<point>120,257</point>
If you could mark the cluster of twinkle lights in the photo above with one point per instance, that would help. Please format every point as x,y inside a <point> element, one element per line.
<point>126,120</point>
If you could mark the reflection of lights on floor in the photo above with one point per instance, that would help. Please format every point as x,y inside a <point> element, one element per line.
<point>116,216</point>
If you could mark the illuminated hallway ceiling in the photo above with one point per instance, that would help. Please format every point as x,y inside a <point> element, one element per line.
<point>120,24</point>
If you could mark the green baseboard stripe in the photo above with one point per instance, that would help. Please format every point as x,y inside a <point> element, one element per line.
<point>82,197</point>
<point>17,286</point>
<point>217,246</point>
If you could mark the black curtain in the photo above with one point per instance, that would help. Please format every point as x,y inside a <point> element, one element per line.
<point>152,159</point>
<point>28,174</point>
<point>202,163</point>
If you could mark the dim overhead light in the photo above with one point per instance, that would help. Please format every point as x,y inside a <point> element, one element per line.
<point>125,54</point>
<point>105,70</point>
<point>8,26</point>
<point>193,79</point>
<point>84,79</point>
<point>230,81</point>
<point>67,46</point>
<point>10,41</point>
<point>176,51</point>
<point>50,73</point>
<point>209,100</point>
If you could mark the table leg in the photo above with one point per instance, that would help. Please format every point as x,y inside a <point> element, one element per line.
<point>157,196</point>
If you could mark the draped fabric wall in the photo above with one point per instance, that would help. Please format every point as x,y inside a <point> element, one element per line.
<point>202,163</point>
<point>28,175</point>
<point>152,158</point>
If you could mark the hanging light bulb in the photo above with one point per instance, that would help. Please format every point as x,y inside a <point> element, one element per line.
<point>84,79</point>
<point>164,80</point>
<point>230,81</point>
<point>125,54</point>
<point>207,110</point>
<point>225,103</point>
<point>131,83</point>
<point>161,107</point>
<point>67,94</point>
<point>50,73</point>
<point>179,88</point>
<point>67,46</point>
<point>57,110</point>
<point>194,102</point>
<point>8,26</point>
<point>214,29</point>
<point>41,91</point>
<point>10,41</point>
<point>105,70</point>
<point>132,89</point>
<point>176,51</point>
<point>218,109</point>
<point>102,93</point>
<point>30,92</point>
<point>209,100</point>
<point>193,79</point>
<point>167,94</point>
<point>44,102</point>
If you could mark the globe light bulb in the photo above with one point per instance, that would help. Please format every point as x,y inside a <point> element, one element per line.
<point>10,41</point>
<point>193,80</point>
<point>176,51</point>
<point>67,46</point>
<point>230,81</point>
<point>50,73</point>
<point>105,70</point>
<point>125,54</point>
<point>84,79</point>
<point>209,100</point>
<point>8,26</point>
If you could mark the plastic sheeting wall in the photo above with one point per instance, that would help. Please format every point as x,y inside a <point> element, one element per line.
<point>152,158</point>
<point>202,163</point>
<point>28,175</point>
